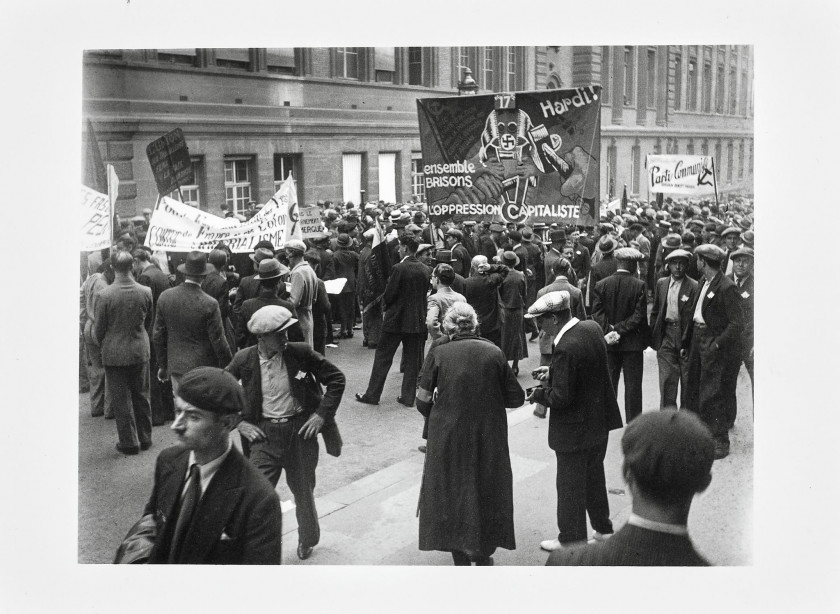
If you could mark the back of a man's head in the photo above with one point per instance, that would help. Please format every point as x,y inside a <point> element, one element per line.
<point>668,454</point>
<point>122,261</point>
<point>410,242</point>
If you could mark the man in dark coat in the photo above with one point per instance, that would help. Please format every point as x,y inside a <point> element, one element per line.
<point>121,324</point>
<point>742,275</point>
<point>188,330</point>
<point>216,285</point>
<point>249,287</point>
<point>620,308</point>
<point>605,267</point>
<point>272,292</point>
<point>583,412</point>
<point>668,458</point>
<point>712,343</point>
<point>404,323</point>
<point>460,256</point>
<point>669,317</point>
<point>489,244</point>
<point>482,292</point>
<point>285,410</point>
<point>346,263</point>
<point>209,505</point>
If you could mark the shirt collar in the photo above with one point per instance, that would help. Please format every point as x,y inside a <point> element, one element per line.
<point>653,525</point>
<point>190,281</point>
<point>620,270</point>
<point>563,330</point>
<point>208,470</point>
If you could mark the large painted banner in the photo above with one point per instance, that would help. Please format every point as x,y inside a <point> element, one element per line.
<point>518,157</point>
<point>678,174</point>
<point>177,227</point>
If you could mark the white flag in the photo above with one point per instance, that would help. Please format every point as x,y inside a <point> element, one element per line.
<point>287,195</point>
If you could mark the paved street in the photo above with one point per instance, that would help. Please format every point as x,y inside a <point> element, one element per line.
<point>367,498</point>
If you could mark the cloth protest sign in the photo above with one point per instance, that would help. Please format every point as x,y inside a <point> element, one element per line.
<point>310,222</point>
<point>679,174</point>
<point>513,157</point>
<point>95,220</point>
<point>177,227</point>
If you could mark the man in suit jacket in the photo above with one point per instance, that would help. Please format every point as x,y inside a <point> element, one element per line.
<point>669,317</point>
<point>233,516</point>
<point>461,258</point>
<point>404,322</point>
<point>605,267</point>
<point>249,286</point>
<point>346,261</point>
<point>188,330</point>
<point>482,291</point>
<point>555,253</point>
<point>712,343</point>
<point>620,307</point>
<point>583,412</point>
<point>121,323</point>
<point>742,274</point>
<point>668,457</point>
<point>285,410</point>
<point>216,285</point>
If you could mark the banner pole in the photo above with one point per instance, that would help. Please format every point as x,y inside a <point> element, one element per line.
<point>714,180</point>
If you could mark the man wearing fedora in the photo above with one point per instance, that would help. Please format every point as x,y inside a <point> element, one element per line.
<point>270,275</point>
<point>712,344</point>
<point>304,286</point>
<point>188,329</point>
<point>248,286</point>
<point>285,410</point>
<point>669,317</point>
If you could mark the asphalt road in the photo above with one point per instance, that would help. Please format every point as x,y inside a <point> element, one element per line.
<point>367,497</point>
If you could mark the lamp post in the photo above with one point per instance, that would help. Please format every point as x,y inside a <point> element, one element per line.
<point>467,86</point>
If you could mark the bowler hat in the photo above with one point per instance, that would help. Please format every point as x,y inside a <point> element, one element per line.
<point>271,268</point>
<point>196,264</point>
<point>212,389</point>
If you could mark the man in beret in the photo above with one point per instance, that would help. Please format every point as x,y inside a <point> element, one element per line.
<point>304,286</point>
<point>668,458</point>
<point>742,274</point>
<point>712,344</point>
<point>209,506</point>
<point>583,412</point>
<point>620,307</point>
<point>188,329</point>
<point>669,317</point>
<point>285,410</point>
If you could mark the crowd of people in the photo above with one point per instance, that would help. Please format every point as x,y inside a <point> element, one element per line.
<point>219,342</point>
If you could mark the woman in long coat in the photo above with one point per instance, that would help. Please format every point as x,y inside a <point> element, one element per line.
<point>513,294</point>
<point>466,500</point>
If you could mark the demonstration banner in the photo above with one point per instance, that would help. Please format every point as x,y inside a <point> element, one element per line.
<point>519,157</point>
<point>310,222</point>
<point>678,174</point>
<point>95,220</point>
<point>177,227</point>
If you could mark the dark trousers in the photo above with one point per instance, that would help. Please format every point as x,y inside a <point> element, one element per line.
<point>128,389</point>
<point>672,368</point>
<point>711,383</point>
<point>346,310</point>
<point>372,324</point>
<point>160,395</point>
<point>284,448</point>
<point>582,489</point>
<point>632,364</point>
<point>750,365</point>
<point>385,350</point>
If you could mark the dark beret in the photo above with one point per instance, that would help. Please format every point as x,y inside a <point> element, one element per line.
<point>212,389</point>
<point>669,453</point>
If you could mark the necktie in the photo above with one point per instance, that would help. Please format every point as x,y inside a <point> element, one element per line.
<point>188,504</point>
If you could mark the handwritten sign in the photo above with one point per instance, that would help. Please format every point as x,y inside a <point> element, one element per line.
<point>170,161</point>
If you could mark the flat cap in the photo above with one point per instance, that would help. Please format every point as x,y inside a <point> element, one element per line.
<point>496,228</point>
<point>295,245</point>
<point>629,254</point>
<point>423,247</point>
<point>744,252</point>
<point>454,232</point>
<point>270,319</point>
<point>212,389</point>
<point>710,252</point>
<point>748,238</point>
<point>669,453</point>
<point>731,231</point>
<point>550,303</point>
<point>678,253</point>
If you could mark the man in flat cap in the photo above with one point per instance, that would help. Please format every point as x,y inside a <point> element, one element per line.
<point>620,307</point>
<point>304,286</point>
<point>712,344</point>
<point>209,506</point>
<point>669,317</point>
<point>583,412</point>
<point>461,258</point>
<point>742,274</point>
<point>285,410</point>
<point>188,331</point>
<point>668,458</point>
<point>731,239</point>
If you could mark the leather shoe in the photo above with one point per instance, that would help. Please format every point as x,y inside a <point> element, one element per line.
<point>422,449</point>
<point>127,450</point>
<point>146,445</point>
<point>401,402</point>
<point>363,398</point>
<point>550,545</point>
<point>304,552</point>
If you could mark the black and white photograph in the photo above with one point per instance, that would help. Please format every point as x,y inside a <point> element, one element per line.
<point>369,313</point>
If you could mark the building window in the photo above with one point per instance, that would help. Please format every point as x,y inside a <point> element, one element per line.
<point>629,75</point>
<point>233,58</point>
<point>718,157</point>
<point>177,56</point>
<point>692,84</point>
<point>281,60</point>
<point>635,161</point>
<point>238,183</point>
<point>190,194</point>
<point>741,160</point>
<point>719,87</point>
<point>704,148</point>
<point>388,177</point>
<point>606,75</point>
<point>415,66</point>
<point>418,189</point>
<point>612,161</point>
<point>730,154</point>
<point>743,101</point>
<point>733,91</point>
<point>385,64</point>
<point>514,55</point>
<point>285,164</point>
<point>651,78</point>
<point>351,170</point>
<point>707,87</point>
<point>487,68</point>
<point>689,149</point>
<point>347,62</point>
<point>677,81</point>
